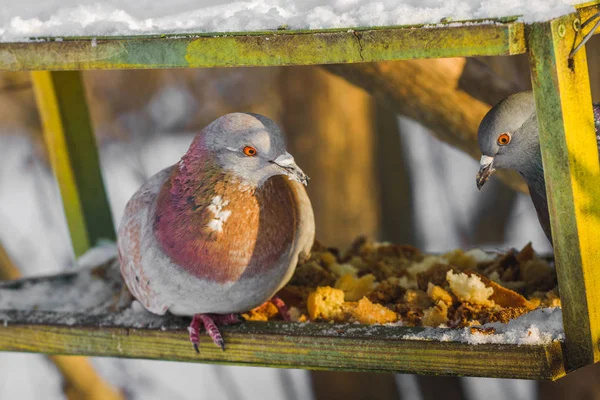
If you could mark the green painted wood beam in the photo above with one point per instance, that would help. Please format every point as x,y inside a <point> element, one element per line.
<point>272,48</point>
<point>315,346</point>
<point>572,173</point>
<point>74,158</point>
<point>492,37</point>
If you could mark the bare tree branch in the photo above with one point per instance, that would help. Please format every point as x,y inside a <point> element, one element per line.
<point>431,92</point>
<point>484,84</point>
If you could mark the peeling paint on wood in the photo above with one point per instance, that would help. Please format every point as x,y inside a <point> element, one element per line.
<point>266,48</point>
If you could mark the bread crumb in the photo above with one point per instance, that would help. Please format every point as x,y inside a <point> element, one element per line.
<point>261,313</point>
<point>505,297</point>
<point>428,262</point>
<point>387,292</point>
<point>482,330</point>
<point>435,315</point>
<point>437,293</point>
<point>296,315</point>
<point>325,303</point>
<point>328,258</point>
<point>416,299</point>
<point>366,312</point>
<point>343,269</point>
<point>407,283</point>
<point>355,288</point>
<point>553,299</point>
<point>469,288</point>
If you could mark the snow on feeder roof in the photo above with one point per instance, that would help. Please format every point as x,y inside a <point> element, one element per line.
<point>25,19</point>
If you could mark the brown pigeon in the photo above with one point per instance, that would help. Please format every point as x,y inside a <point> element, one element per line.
<point>221,231</point>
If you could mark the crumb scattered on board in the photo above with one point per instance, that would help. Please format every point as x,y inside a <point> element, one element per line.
<point>473,296</point>
<point>486,297</point>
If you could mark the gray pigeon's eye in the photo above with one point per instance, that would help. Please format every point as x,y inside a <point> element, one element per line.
<point>504,139</point>
<point>250,151</point>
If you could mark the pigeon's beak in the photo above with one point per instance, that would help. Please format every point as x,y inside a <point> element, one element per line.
<point>486,169</point>
<point>287,163</point>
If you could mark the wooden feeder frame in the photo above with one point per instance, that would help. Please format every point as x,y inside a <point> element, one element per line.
<point>569,151</point>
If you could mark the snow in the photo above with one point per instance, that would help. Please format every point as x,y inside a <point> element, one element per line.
<point>30,18</point>
<point>89,290</point>
<point>540,326</point>
<point>98,255</point>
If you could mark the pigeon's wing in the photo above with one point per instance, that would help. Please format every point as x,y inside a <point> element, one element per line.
<point>134,228</point>
<point>305,234</point>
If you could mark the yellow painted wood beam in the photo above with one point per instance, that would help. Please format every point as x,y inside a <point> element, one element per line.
<point>72,151</point>
<point>82,382</point>
<point>572,172</point>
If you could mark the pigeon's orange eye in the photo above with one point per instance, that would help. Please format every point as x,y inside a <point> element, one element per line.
<point>504,139</point>
<point>250,151</point>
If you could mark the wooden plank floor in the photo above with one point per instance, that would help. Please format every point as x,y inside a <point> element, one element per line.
<point>87,312</point>
<point>287,345</point>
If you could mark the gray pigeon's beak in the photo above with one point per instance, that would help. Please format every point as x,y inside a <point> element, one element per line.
<point>486,169</point>
<point>287,163</point>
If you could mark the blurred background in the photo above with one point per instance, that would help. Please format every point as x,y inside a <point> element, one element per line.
<point>374,172</point>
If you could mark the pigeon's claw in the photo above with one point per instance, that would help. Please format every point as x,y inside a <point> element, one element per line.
<point>212,330</point>
<point>194,331</point>
<point>210,321</point>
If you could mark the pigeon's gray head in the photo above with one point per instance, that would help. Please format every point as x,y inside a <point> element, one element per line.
<point>252,147</point>
<point>508,137</point>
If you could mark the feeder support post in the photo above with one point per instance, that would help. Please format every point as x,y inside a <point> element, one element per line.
<point>572,173</point>
<point>74,157</point>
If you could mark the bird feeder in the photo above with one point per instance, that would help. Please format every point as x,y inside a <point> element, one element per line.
<point>570,157</point>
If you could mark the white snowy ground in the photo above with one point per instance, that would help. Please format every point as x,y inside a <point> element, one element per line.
<point>33,230</point>
<point>27,18</point>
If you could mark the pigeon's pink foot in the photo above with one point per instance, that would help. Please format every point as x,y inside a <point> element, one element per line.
<point>210,322</point>
<point>212,329</point>
<point>194,330</point>
<point>281,307</point>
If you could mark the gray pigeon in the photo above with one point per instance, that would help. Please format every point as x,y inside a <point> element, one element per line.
<point>508,138</point>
